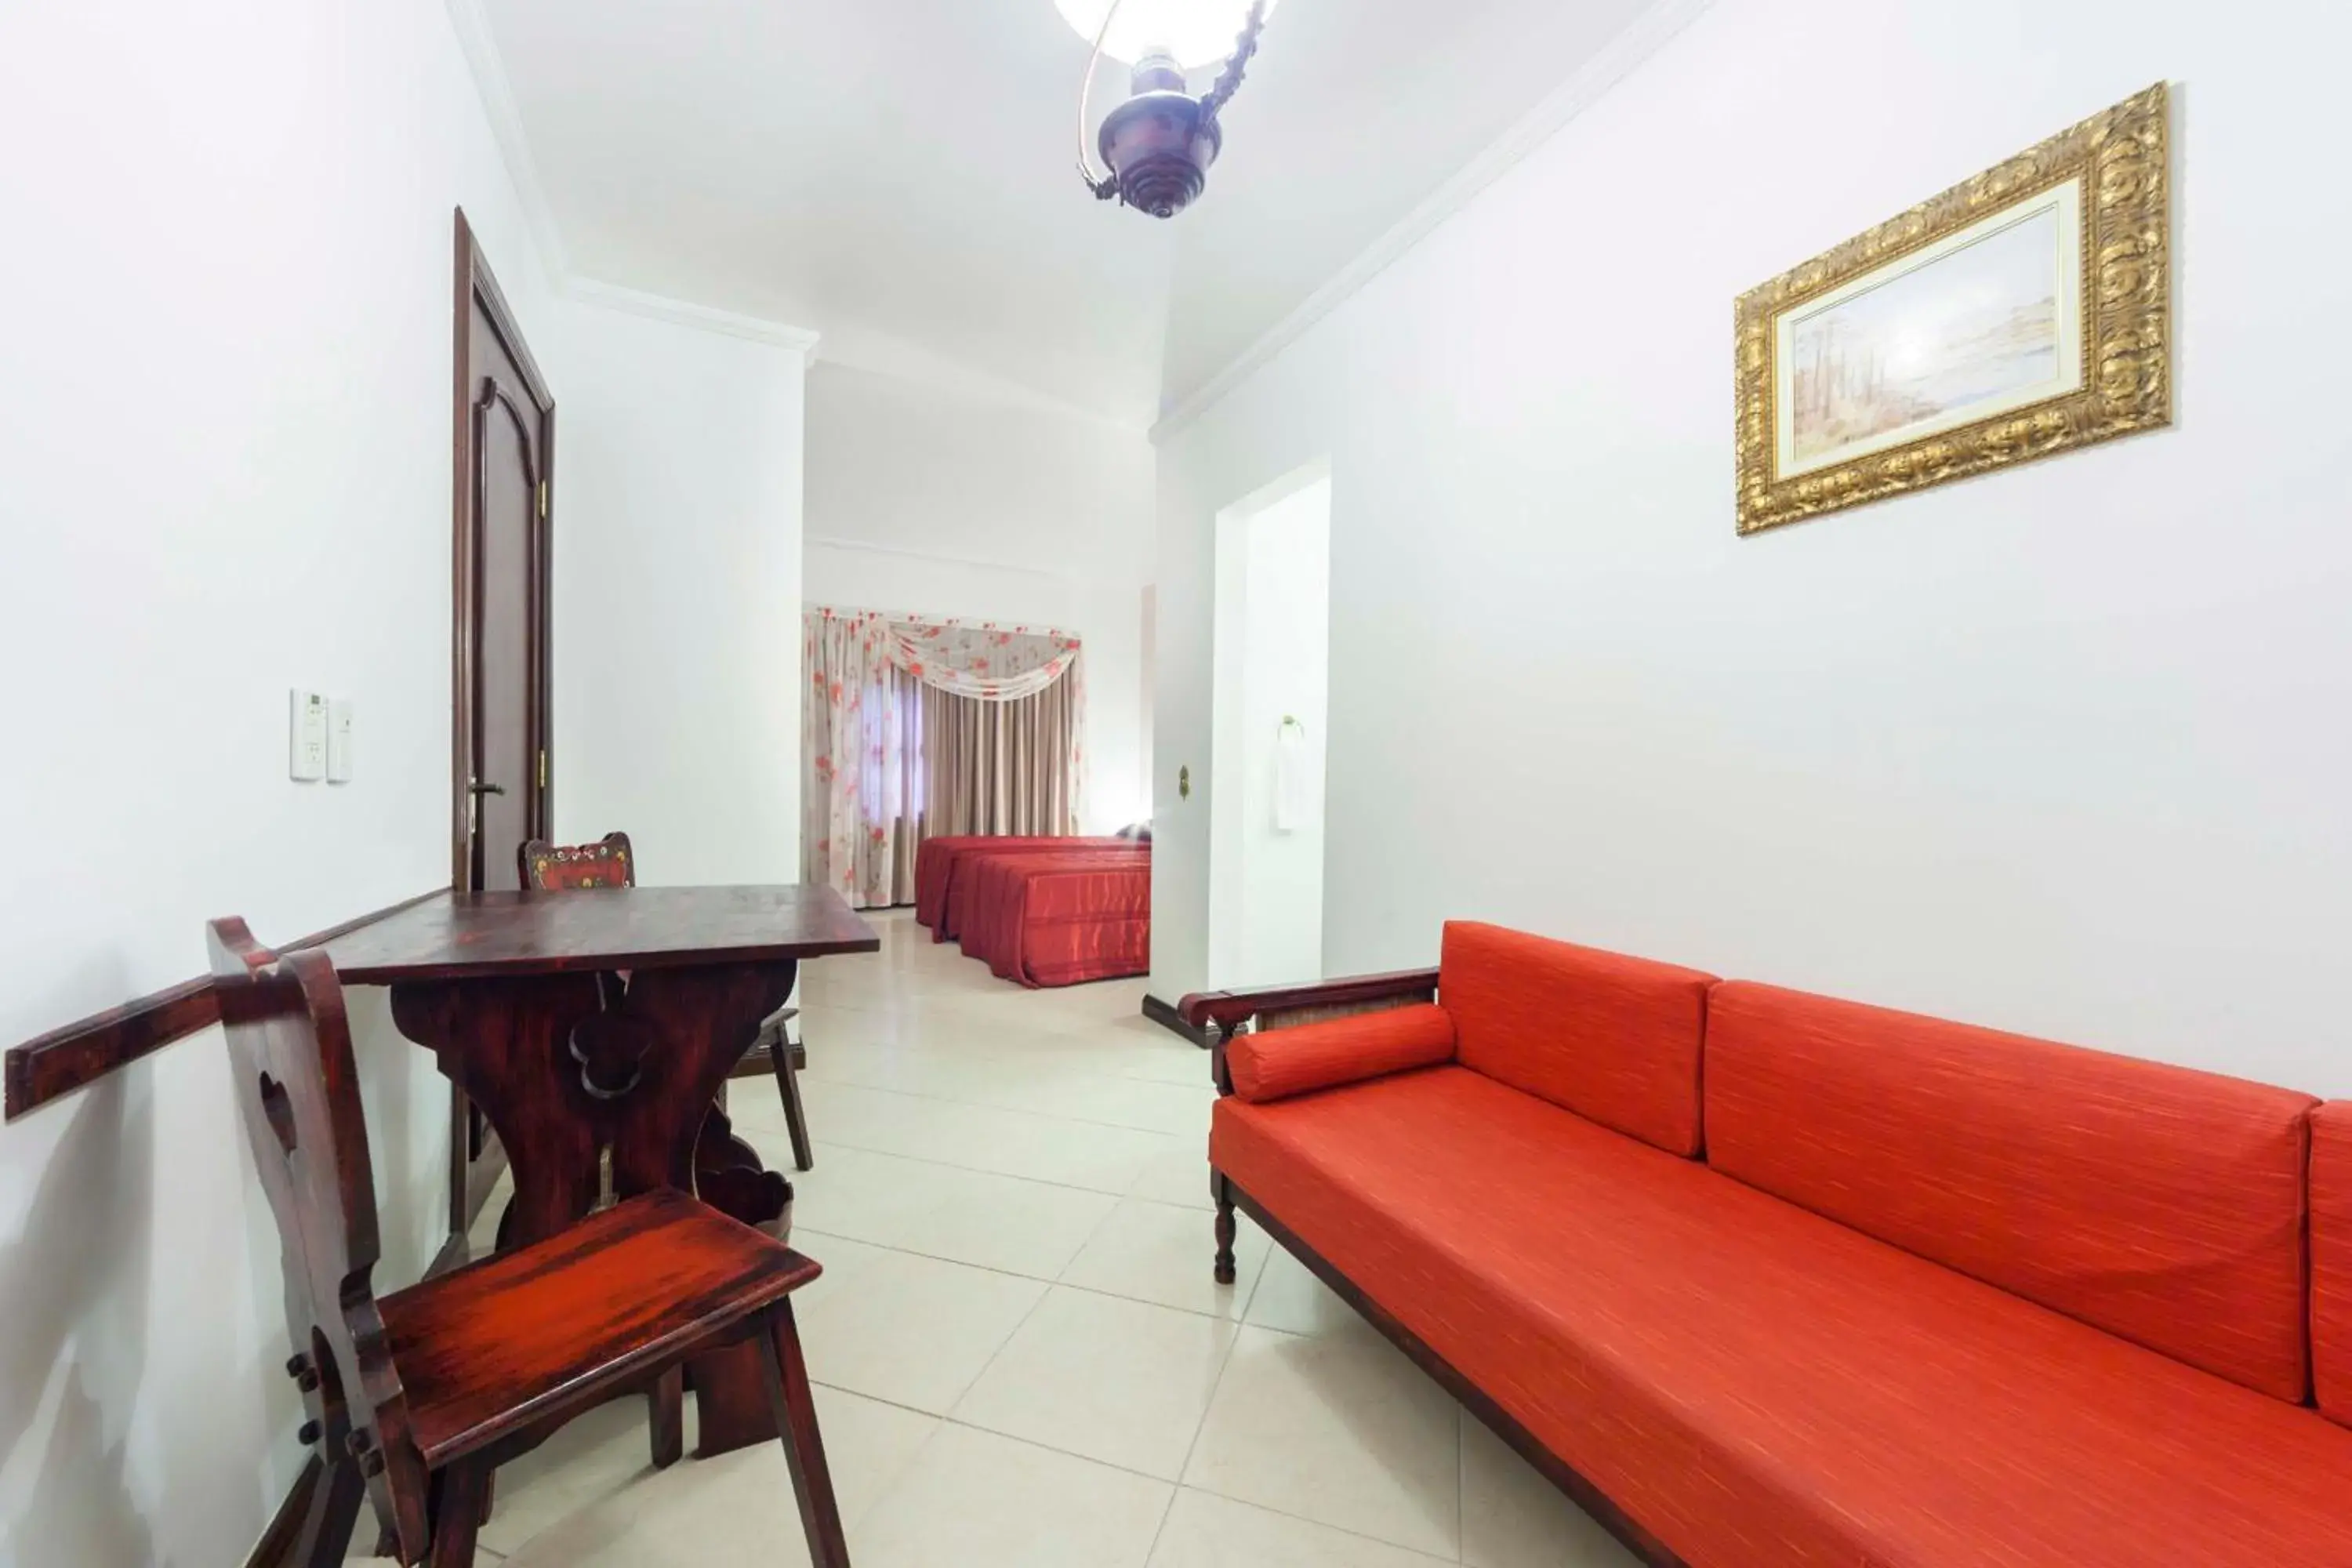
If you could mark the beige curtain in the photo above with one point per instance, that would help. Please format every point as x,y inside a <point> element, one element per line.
<point>1001,767</point>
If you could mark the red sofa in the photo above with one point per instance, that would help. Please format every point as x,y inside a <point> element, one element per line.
<point>1762,1277</point>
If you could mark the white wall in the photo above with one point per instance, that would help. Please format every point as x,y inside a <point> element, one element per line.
<point>224,407</point>
<point>944,501</point>
<point>1273,656</point>
<point>678,587</point>
<point>2061,749</point>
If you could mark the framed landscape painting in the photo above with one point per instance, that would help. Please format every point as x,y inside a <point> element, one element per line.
<point>2021,313</point>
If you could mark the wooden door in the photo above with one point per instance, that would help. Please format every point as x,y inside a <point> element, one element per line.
<point>500,777</point>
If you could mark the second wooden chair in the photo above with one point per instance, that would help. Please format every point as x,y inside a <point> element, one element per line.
<point>611,862</point>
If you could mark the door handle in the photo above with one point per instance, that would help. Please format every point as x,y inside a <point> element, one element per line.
<point>474,790</point>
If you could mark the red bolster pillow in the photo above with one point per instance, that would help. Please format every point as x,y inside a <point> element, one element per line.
<point>1279,1063</point>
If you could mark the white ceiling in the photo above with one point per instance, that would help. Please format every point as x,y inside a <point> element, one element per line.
<point>897,174</point>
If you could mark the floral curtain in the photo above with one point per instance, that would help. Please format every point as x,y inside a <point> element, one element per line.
<point>866,754</point>
<point>981,659</point>
<point>862,744</point>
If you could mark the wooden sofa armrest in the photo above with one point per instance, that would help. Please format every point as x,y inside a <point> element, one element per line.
<point>1316,999</point>
<point>1223,1012</point>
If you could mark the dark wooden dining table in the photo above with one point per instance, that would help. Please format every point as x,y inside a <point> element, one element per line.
<point>595,1028</point>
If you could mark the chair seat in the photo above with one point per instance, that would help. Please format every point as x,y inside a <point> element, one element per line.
<point>487,1350</point>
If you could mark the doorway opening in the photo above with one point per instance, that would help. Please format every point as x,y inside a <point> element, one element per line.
<point>1271,698</point>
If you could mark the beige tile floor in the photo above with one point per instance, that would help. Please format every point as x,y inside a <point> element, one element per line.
<point>1022,1360</point>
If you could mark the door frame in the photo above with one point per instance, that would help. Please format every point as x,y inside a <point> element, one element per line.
<point>1227,954</point>
<point>476,284</point>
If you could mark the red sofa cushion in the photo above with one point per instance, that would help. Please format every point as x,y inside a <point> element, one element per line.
<point>2331,1257</point>
<point>1610,1037</point>
<point>2159,1204</point>
<point>1279,1063</point>
<point>1755,1384</point>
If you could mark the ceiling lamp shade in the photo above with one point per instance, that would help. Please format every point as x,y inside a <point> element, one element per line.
<point>1197,33</point>
<point>1159,144</point>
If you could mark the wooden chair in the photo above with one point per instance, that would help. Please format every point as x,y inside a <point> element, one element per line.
<point>552,868</point>
<point>415,1398</point>
<point>610,863</point>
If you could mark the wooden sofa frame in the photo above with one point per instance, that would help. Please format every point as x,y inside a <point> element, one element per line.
<point>1220,1016</point>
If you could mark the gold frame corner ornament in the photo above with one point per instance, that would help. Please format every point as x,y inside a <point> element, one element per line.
<point>2122,158</point>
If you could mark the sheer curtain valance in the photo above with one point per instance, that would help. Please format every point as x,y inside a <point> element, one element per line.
<point>920,725</point>
<point>980,659</point>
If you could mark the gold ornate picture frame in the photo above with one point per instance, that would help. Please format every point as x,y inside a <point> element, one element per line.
<point>2021,313</point>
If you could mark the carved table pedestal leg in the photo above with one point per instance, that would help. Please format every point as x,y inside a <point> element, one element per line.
<point>600,1098</point>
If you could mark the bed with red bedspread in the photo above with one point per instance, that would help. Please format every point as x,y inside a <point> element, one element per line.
<point>938,862</point>
<point>1060,920</point>
<point>1040,912</point>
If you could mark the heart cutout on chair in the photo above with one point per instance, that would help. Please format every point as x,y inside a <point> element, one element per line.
<point>278,1107</point>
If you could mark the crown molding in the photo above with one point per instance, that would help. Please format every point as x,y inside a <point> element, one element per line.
<point>488,69</point>
<point>684,313</point>
<point>861,547</point>
<point>1641,39</point>
<point>881,355</point>
<point>866,352</point>
<point>479,46</point>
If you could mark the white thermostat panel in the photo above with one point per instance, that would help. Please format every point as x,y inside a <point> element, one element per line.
<point>307,756</point>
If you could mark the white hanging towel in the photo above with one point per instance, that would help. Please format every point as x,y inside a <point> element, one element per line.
<point>1290,781</point>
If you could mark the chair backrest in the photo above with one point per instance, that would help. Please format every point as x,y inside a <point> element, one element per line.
<point>552,868</point>
<point>297,1087</point>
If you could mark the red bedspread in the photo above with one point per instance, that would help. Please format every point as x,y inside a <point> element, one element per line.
<point>937,861</point>
<point>1058,919</point>
<point>962,880</point>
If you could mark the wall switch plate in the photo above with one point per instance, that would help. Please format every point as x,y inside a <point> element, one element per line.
<point>307,726</point>
<point>339,740</point>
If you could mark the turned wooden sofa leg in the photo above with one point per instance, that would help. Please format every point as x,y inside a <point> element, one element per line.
<point>1222,1191</point>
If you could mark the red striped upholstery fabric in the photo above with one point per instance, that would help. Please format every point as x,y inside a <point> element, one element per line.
<point>1079,952</point>
<point>933,857</point>
<point>1610,1037</point>
<point>1280,1063</point>
<point>2159,1204</point>
<point>938,860</point>
<point>958,898</point>
<point>1758,1385</point>
<point>2331,1257</point>
<point>1061,920</point>
<point>994,890</point>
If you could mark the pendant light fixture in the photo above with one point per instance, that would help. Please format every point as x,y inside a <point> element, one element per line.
<point>1156,146</point>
